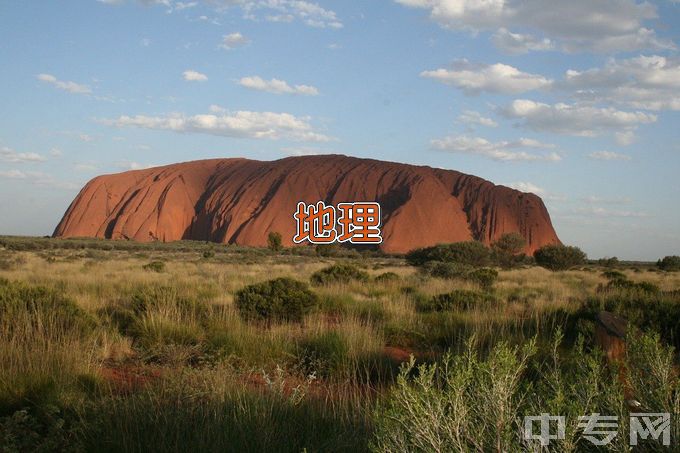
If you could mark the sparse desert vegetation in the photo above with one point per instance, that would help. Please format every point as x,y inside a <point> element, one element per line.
<point>224,348</point>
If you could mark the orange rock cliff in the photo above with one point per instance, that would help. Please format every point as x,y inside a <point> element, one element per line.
<point>240,201</point>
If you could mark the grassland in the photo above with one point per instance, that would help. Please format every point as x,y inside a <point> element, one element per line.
<point>101,352</point>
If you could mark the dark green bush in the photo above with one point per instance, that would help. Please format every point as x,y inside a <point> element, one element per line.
<point>484,277</point>
<point>459,299</point>
<point>472,253</point>
<point>608,262</point>
<point>282,299</point>
<point>669,263</point>
<point>339,273</point>
<point>155,266</point>
<point>209,254</point>
<point>445,270</point>
<point>629,285</point>
<point>559,257</point>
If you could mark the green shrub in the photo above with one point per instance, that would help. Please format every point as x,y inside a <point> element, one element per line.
<point>445,270</point>
<point>472,253</point>
<point>207,254</point>
<point>608,262</point>
<point>387,277</point>
<point>484,277</point>
<point>614,275</point>
<point>155,266</point>
<point>274,241</point>
<point>25,430</point>
<point>669,263</point>
<point>282,299</point>
<point>339,273</point>
<point>459,299</point>
<point>559,257</point>
<point>508,250</point>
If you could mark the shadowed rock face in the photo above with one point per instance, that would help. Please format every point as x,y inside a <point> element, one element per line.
<point>240,201</point>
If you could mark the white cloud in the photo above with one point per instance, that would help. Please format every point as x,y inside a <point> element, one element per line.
<point>310,14</point>
<point>472,117</point>
<point>594,199</point>
<point>604,212</point>
<point>128,165</point>
<point>502,151</point>
<point>216,109</point>
<point>645,82</point>
<point>233,40</point>
<point>608,155</point>
<point>276,86</point>
<point>56,152</point>
<point>86,167</point>
<point>240,124</point>
<point>574,119</point>
<point>524,186</point>
<point>194,76</point>
<point>85,138</point>
<point>39,179</point>
<point>71,87</point>
<point>601,25</point>
<point>9,155</point>
<point>495,78</point>
<point>517,43</point>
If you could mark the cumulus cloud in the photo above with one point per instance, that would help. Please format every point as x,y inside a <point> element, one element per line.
<point>529,187</point>
<point>9,155</point>
<point>495,78</point>
<point>233,40</point>
<point>131,165</point>
<point>608,155</point>
<point>506,151</point>
<point>574,119</point>
<point>644,82</point>
<point>472,117</point>
<point>71,87</point>
<point>517,43</point>
<point>240,124</point>
<point>601,26</point>
<point>194,76</point>
<point>276,86</point>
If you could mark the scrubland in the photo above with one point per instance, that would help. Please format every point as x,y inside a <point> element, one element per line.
<point>101,350</point>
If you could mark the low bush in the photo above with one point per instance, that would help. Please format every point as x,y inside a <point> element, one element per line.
<point>282,299</point>
<point>484,277</point>
<point>614,275</point>
<point>445,270</point>
<point>559,257</point>
<point>459,299</point>
<point>155,266</point>
<point>387,277</point>
<point>274,242</point>
<point>338,273</point>
<point>472,253</point>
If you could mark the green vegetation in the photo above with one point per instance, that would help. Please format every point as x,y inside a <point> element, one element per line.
<point>274,241</point>
<point>559,257</point>
<point>282,299</point>
<point>669,263</point>
<point>235,351</point>
<point>472,253</point>
<point>339,273</point>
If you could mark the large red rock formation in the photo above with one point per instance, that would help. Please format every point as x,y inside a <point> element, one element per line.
<point>240,201</point>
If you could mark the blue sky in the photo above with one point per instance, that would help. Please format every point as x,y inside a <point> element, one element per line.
<point>576,101</point>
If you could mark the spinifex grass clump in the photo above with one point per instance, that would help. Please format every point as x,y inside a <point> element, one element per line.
<point>459,299</point>
<point>282,299</point>
<point>339,273</point>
